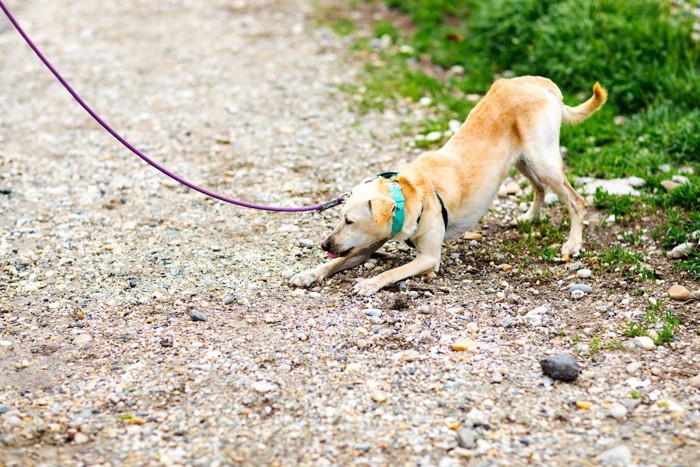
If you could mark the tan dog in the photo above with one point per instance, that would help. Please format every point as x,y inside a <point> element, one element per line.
<point>445,192</point>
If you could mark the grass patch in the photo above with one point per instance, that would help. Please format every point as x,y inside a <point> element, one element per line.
<point>540,238</point>
<point>653,316</point>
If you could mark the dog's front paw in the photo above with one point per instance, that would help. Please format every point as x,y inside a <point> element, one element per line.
<point>367,287</point>
<point>570,249</point>
<point>305,278</point>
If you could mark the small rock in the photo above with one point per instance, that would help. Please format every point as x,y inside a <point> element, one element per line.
<point>678,292</point>
<point>229,299</point>
<point>665,168</point>
<point>466,438</point>
<point>561,367</point>
<point>410,355</point>
<point>166,341</point>
<point>584,273</point>
<point>633,367</point>
<point>618,411</point>
<point>477,418</point>
<point>496,377</point>
<point>575,266</point>
<point>263,386</point>
<point>373,312</point>
<point>5,343</point>
<point>82,339</point>
<point>464,345</point>
<point>196,315</point>
<point>695,381</point>
<point>672,406</point>
<point>550,199</point>
<point>473,236</point>
<point>584,405</point>
<point>288,273</point>
<point>534,316</point>
<point>682,250</point>
<point>619,455</point>
<point>644,342</point>
<point>582,287</point>
<point>424,309</point>
<point>636,182</point>
<point>80,438</point>
<point>669,185</point>
<point>653,335</point>
<point>379,396</point>
<point>577,294</point>
<point>433,136</point>
<point>680,179</point>
<point>4,408</point>
<point>5,190</point>
<point>512,298</point>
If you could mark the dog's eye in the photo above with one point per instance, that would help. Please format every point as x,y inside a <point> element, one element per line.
<point>348,221</point>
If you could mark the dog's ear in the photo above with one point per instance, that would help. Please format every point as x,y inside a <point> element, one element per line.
<point>382,209</point>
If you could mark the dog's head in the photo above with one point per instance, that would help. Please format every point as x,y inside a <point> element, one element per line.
<point>365,220</point>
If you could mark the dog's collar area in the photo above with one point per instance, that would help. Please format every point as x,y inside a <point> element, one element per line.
<point>399,199</point>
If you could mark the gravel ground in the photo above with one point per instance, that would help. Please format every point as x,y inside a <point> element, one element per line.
<point>143,324</point>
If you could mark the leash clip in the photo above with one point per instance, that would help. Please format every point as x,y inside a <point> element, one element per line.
<point>334,202</point>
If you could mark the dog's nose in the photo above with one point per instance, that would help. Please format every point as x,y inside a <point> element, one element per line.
<point>326,245</point>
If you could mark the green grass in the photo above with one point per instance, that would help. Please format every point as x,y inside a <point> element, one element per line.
<point>639,50</point>
<point>653,315</point>
<point>540,238</point>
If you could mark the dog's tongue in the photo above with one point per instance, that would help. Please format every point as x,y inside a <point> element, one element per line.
<point>333,255</point>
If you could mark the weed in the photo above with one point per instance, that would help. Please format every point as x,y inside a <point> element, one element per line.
<point>635,329</point>
<point>634,394</point>
<point>652,316</point>
<point>623,206</point>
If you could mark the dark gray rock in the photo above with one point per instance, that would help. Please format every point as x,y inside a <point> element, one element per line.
<point>561,367</point>
<point>166,341</point>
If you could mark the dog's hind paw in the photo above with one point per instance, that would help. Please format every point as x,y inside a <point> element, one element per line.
<point>570,249</point>
<point>305,279</point>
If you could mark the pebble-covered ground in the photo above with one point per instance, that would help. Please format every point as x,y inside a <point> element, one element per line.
<point>144,324</point>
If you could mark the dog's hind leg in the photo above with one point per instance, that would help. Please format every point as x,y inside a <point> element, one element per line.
<point>537,187</point>
<point>551,173</point>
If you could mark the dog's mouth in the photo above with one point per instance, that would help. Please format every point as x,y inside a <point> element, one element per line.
<point>334,255</point>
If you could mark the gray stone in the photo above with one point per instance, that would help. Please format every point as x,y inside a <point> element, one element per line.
<point>618,411</point>
<point>582,287</point>
<point>561,367</point>
<point>577,294</point>
<point>466,437</point>
<point>372,312</point>
<point>4,408</point>
<point>263,386</point>
<point>166,341</point>
<point>584,273</point>
<point>682,250</point>
<point>618,456</point>
<point>196,315</point>
<point>680,179</point>
<point>229,299</point>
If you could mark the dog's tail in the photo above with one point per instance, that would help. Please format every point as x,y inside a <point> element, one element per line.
<point>574,115</point>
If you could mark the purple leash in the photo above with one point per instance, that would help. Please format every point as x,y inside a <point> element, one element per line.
<point>316,207</point>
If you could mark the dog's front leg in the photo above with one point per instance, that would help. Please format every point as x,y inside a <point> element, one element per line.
<point>427,260</point>
<point>317,274</point>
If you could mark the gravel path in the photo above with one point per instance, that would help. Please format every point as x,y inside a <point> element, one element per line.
<point>143,324</point>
